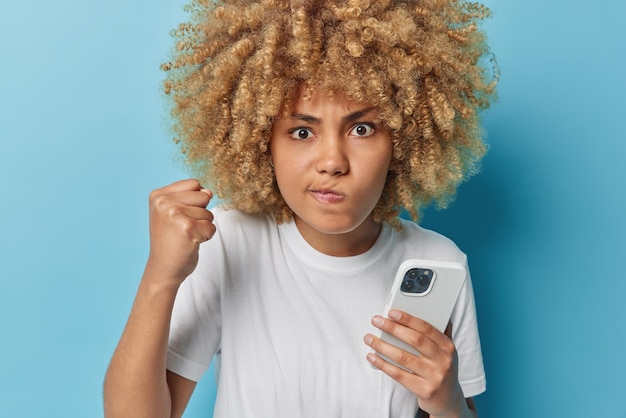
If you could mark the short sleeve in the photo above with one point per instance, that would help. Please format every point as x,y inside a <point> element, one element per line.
<point>467,341</point>
<point>195,329</point>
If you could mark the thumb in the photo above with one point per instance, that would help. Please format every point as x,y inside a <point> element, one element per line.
<point>208,193</point>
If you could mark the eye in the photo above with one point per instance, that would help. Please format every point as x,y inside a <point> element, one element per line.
<point>301,133</point>
<point>363,130</point>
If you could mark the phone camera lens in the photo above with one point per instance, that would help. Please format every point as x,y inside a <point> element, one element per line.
<point>407,285</point>
<point>423,281</point>
<point>413,273</point>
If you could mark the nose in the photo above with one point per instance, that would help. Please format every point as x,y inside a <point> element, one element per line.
<point>332,156</point>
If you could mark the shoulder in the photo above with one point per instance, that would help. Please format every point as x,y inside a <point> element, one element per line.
<point>236,227</point>
<point>225,216</point>
<point>428,243</point>
<point>238,236</point>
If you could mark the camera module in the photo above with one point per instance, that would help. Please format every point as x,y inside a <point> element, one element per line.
<point>417,281</point>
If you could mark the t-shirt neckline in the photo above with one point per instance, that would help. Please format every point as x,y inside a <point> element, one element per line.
<point>323,262</point>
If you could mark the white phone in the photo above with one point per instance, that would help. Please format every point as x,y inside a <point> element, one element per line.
<point>426,289</point>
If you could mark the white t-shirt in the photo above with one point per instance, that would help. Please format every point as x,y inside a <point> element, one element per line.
<point>289,321</point>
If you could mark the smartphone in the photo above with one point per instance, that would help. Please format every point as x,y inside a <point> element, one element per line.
<point>426,289</point>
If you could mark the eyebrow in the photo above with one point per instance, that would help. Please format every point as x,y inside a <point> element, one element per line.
<point>348,118</point>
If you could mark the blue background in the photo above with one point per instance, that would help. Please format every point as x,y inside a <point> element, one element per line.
<point>83,141</point>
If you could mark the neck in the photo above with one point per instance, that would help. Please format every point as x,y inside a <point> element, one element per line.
<point>344,244</point>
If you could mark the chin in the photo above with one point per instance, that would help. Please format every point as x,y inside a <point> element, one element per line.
<point>332,225</point>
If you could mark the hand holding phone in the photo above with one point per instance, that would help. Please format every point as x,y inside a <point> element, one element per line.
<point>425,289</point>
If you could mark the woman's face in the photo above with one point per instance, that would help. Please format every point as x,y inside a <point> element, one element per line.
<point>331,159</point>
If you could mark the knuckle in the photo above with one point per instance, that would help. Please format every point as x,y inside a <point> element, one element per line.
<point>390,326</point>
<point>404,358</point>
<point>452,362</point>
<point>208,232</point>
<point>427,328</point>
<point>428,392</point>
<point>417,340</point>
<point>187,227</point>
<point>172,211</point>
<point>449,348</point>
<point>159,202</point>
<point>154,195</point>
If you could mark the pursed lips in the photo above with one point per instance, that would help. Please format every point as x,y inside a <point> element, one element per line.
<point>327,195</point>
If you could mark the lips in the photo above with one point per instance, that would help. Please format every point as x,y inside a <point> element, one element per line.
<point>327,196</point>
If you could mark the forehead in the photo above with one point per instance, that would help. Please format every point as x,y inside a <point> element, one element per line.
<point>310,100</point>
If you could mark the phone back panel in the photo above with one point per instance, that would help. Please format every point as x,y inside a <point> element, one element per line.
<point>434,306</point>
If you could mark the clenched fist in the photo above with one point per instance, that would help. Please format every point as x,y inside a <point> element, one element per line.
<point>179,222</point>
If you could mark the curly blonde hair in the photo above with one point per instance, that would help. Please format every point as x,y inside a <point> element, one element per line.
<point>237,66</point>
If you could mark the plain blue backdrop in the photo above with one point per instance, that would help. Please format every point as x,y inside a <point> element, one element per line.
<point>83,141</point>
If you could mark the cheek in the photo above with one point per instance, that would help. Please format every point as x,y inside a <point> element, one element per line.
<point>378,167</point>
<point>287,175</point>
<point>379,175</point>
<point>290,162</point>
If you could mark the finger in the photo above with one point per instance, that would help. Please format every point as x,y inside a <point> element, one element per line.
<point>406,359</point>
<point>195,225</point>
<point>416,338</point>
<point>435,345</point>
<point>200,198</point>
<point>178,186</point>
<point>409,380</point>
<point>419,325</point>
<point>171,205</point>
<point>183,185</point>
<point>204,231</point>
<point>197,213</point>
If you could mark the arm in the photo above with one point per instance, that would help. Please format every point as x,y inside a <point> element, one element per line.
<point>433,375</point>
<point>137,383</point>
